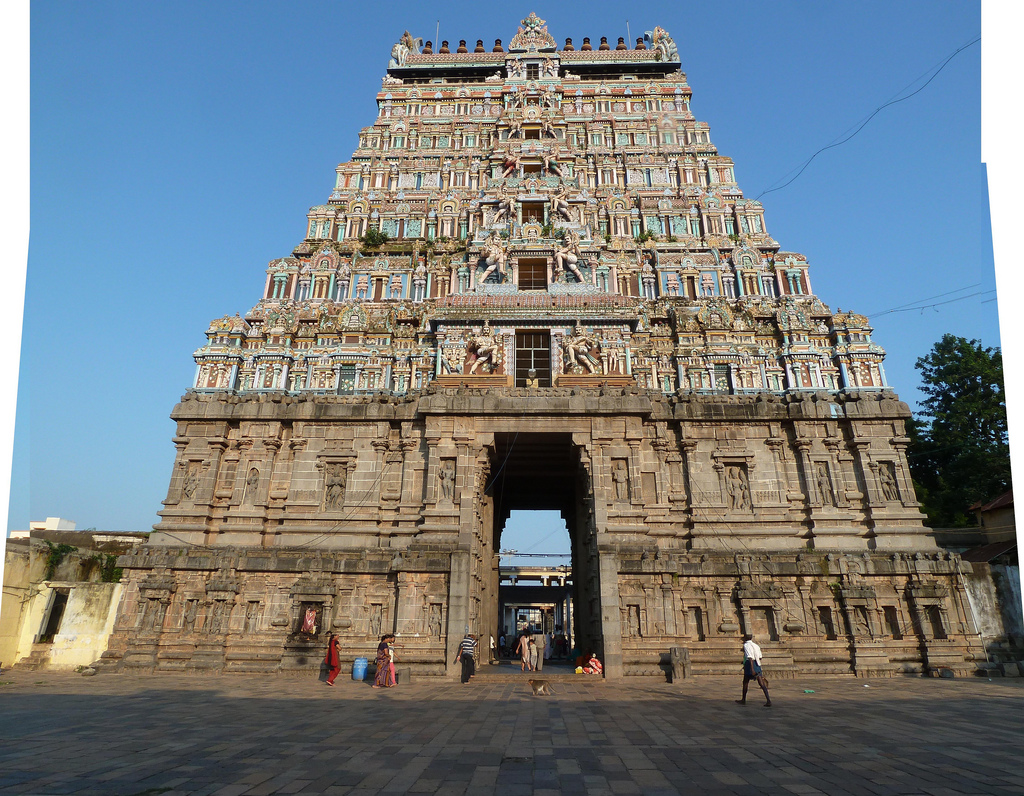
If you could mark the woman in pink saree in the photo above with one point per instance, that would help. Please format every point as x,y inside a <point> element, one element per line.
<point>385,662</point>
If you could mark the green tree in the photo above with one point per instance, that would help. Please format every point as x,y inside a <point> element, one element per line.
<point>960,452</point>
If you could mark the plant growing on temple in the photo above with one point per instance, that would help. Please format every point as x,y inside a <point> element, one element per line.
<point>960,453</point>
<point>645,236</point>
<point>373,238</point>
<point>55,555</point>
<point>110,572</point>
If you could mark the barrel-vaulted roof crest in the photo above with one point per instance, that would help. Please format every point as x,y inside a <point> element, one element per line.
<point>532,36</point>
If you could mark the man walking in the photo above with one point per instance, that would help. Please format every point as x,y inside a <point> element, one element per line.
<point>467,649</point>
<point>538,641</point>
<point>752,670</point>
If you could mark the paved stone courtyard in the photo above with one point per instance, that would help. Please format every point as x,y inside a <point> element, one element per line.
<point>235,735</point>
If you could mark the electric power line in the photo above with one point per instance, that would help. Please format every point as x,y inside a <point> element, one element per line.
<point>928,298</point>
<point>872,116</point>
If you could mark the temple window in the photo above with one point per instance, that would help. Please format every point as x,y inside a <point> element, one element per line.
<point>533,273</point>
<point>533,211</point>
<point>533,353</point>
<point>533,71</point>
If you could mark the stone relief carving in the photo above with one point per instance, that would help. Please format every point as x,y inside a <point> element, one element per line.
<point>252,485</point>
<point>887,475</point>
<point>823,481</point>
<point>335,480</point>
<point>434,621</point>
<point>218,611</point>
<point>189,616</point>
<point>620,477</point>
<point>446,478</point>
<point>737,487</point>
<point>191,481</point>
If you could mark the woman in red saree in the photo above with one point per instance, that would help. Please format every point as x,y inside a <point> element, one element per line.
<point>592,665</point>
<point>385,663</point>
<point>332,659</point>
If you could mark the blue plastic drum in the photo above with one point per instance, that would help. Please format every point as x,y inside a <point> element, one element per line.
<point>359,669</point>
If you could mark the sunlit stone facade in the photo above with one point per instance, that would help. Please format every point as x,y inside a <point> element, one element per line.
<point>537,284</point>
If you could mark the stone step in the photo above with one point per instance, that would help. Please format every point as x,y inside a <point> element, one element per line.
<point>509,672</point>
<point>522,678</point>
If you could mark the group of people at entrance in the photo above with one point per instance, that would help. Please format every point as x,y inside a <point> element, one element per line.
<point>530,657</point>
<point>546,646</point>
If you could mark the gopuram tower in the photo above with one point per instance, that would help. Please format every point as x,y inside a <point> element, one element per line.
<point>537,285</point>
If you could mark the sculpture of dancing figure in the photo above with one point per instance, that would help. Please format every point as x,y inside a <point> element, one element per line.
<point>567,255</point>
<point>485,347</point>
<point>511,164</point>
<point>548,129</point>
<point>494,254</point>
<point>551,162</point>
<point>560,203</point>
<point>505,200</point>
<point>578,347</point>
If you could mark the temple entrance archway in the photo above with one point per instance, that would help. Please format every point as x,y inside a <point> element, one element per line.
<point>532,471</point>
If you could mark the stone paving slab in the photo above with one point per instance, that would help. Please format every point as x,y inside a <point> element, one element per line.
<point>246,735</point>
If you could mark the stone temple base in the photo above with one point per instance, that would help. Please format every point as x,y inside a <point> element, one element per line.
<point>692,520</point>
<point>870,615</point>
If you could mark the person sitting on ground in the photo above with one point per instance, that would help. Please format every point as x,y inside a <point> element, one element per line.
<point>592,665</point>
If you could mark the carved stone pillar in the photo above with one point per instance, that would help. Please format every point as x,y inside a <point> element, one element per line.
<point>803,446</point>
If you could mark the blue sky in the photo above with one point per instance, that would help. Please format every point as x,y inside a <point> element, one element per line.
<point>177,146</point>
